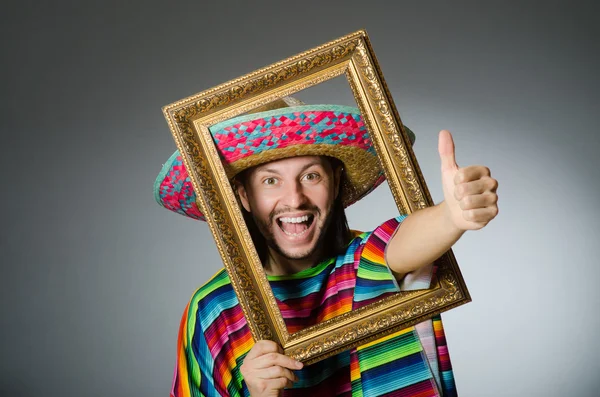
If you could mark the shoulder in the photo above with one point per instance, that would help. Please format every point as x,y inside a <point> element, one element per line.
<point>219,281</point>
<point>382,233</point>
<point>373,277</point>
<point>211,300</point>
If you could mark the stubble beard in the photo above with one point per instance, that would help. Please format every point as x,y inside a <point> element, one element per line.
<point>266,228</point>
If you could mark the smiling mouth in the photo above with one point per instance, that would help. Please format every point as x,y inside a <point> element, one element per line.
<point>295,226</point>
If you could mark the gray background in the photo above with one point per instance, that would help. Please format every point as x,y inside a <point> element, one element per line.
<point>95,275</point>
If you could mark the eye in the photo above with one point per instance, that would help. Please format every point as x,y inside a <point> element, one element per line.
<point>312,177</point>
<point>269,181</point>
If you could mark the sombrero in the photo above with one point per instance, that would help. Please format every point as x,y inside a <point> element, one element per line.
<point>252,139</point>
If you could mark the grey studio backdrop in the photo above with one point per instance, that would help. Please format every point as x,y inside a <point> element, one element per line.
<point>95,275</point>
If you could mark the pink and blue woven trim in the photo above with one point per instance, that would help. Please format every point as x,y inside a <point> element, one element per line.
<point>173,188</point>
<point>318,124</point>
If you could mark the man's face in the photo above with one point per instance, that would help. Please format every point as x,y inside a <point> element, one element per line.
<point>290,201</point>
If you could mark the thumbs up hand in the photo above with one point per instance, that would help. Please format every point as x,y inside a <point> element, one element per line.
<point>470,202</point>
<point>469,192</point>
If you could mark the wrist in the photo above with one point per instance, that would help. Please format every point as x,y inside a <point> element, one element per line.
<point>447,221</point>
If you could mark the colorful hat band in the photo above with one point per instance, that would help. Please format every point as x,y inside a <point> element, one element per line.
<point>246,141</point>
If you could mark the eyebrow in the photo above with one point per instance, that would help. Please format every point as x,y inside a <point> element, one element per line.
<point>274,171</point>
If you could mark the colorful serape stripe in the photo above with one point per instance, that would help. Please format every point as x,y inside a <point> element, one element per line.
<point>214,337</point>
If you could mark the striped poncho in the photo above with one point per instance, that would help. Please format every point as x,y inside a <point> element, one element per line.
<point>214,337</point>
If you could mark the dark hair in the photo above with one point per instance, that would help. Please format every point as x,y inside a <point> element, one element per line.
<point>337,234</point>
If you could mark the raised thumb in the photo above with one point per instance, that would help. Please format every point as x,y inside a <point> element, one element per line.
<point>446,150</point>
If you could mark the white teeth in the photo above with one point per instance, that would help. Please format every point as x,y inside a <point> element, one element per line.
<point>294,220</point>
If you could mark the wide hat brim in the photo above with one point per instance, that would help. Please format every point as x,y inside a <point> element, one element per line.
<point>253,139</point>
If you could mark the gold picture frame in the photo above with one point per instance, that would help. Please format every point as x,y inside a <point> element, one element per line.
<point>190,119</point>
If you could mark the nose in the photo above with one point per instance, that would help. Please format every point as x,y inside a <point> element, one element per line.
<point>294,195</point>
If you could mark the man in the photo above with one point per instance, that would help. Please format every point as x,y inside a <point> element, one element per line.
<point>294,170</point>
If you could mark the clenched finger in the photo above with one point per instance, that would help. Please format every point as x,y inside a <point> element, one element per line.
<point>277,372</point>
<point>478,201</point>
<point>481,215</point>
<point>263,347</point>
<point>471,173</point>
<point>271,359</point>
<point>485,184</point>
<point>281,383</point>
